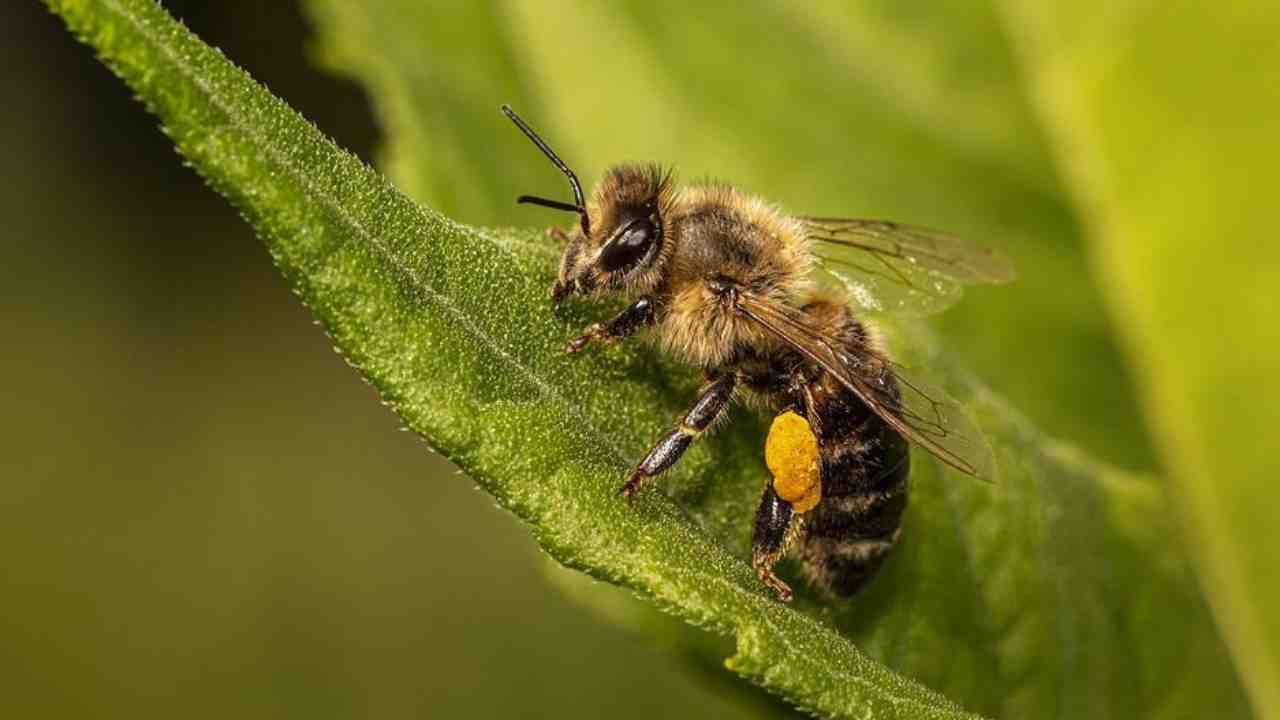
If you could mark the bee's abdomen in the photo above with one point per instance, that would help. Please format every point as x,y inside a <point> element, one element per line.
<point>865,465</point>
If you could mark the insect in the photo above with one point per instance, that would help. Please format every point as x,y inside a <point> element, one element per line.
<point>763,302</point>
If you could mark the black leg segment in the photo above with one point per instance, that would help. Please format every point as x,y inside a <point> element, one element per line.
<point>776,526</point>
<point>636,315</point>
<point>665,453</point>
<point>711,402</point>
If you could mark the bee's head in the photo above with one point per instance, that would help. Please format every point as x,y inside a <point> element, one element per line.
<point>625,248</point>
<point>618,245</point>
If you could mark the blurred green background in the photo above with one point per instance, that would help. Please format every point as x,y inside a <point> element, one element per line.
<point>204,511</point>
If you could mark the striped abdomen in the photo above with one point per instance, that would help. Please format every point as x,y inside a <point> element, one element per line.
<point>864,466</point>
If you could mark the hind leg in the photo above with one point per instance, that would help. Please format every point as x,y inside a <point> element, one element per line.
<point>777,526</point>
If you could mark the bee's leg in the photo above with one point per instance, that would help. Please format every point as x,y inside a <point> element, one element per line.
<point>711,402</point>
<point>635,316</point>
<point>558,233</point>
<point>776,527</point>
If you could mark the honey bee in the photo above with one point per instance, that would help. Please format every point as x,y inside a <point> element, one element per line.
<point>763,301</point>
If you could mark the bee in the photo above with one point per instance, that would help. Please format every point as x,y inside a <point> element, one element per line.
<point>765,303</point>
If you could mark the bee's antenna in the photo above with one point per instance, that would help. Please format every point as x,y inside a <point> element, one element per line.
<point>581,206</point>
<point>544,202</point>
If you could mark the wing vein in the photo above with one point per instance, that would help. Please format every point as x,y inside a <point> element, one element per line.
<point>889,394</point>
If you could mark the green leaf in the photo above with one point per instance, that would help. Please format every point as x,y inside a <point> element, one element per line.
<point>1177,170</point>
<point>1058,590</point>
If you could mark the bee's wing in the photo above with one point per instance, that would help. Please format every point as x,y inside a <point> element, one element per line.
<point>884,266</point>
<point>921,414</point>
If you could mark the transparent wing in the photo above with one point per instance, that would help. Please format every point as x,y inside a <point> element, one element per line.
<point>884,266</point>
<point>923,415</point>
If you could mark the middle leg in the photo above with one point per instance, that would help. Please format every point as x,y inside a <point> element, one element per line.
<point>711,403</point>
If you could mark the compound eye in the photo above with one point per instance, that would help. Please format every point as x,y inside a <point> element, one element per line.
<point>628,246</point>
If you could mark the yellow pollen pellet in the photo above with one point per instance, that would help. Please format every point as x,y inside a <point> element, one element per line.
<point>791,452</point>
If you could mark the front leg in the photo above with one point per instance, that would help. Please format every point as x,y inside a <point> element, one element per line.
<point>710,404</point>
<point>637,315</point>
